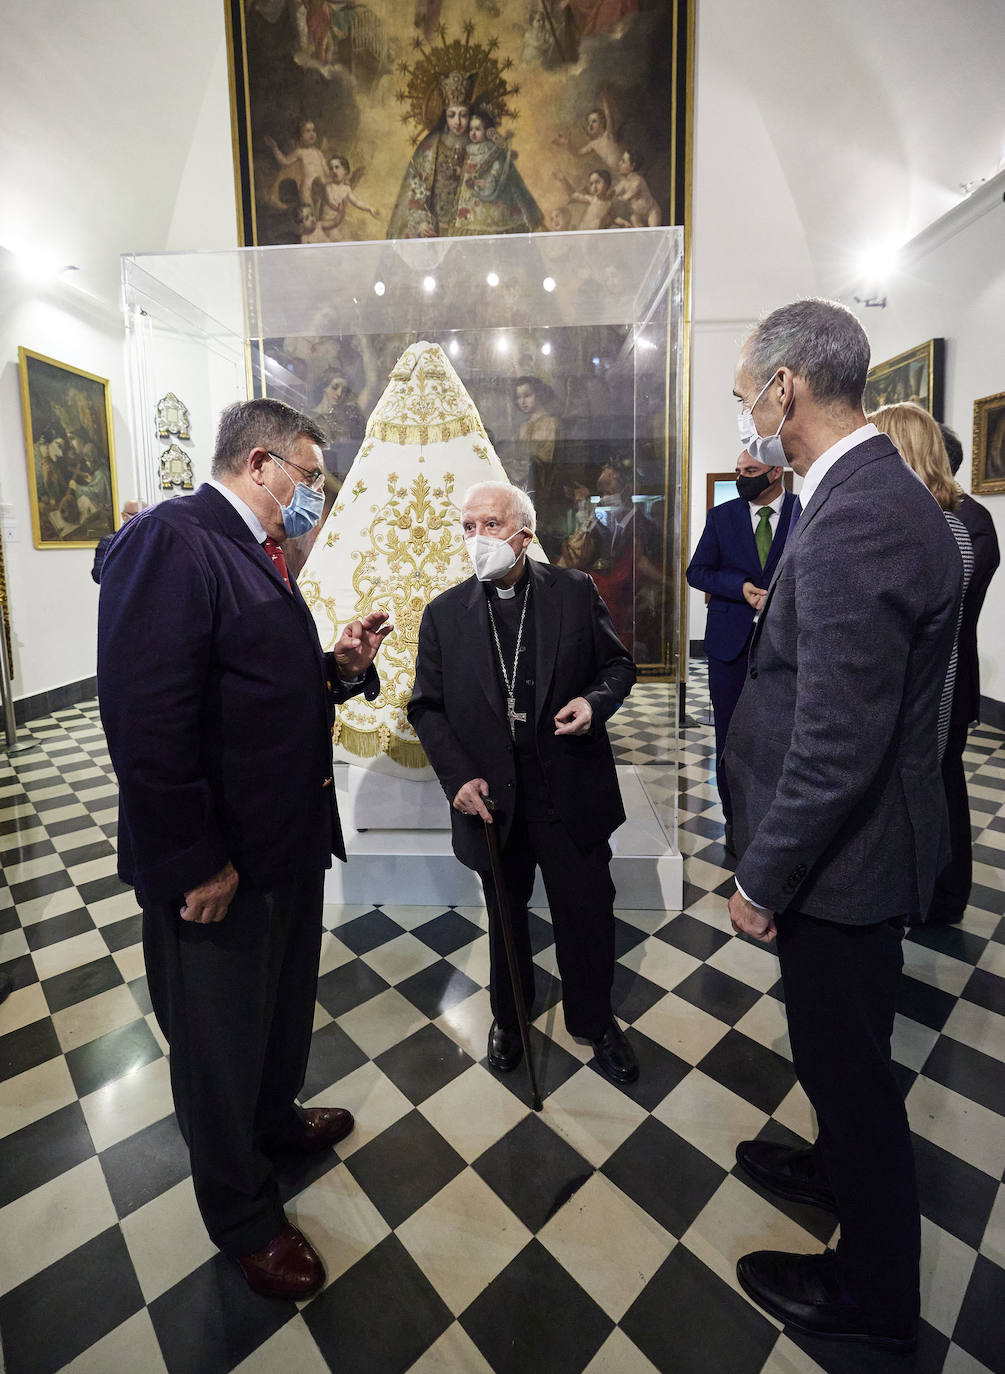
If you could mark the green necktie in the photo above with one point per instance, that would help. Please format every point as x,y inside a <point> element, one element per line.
<point>762,535</point>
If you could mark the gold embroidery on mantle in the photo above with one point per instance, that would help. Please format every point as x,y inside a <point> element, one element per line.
<point>417,537</point>
<point>425,402</point>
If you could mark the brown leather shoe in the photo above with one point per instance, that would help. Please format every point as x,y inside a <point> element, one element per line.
<point>323,1128</point>
<point>288,1267</point>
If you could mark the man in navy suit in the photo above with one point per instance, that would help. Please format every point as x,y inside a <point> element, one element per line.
<point>218,703</point>
<point>736,556</point>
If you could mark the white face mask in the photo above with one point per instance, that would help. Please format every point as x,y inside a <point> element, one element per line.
<point>763,448</point>
<point>492,558</point>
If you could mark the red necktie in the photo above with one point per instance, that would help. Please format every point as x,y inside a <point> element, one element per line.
<point>279,558</point>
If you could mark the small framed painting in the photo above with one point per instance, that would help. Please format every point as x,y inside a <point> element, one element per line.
<point>69,447</point>
<point>916,375</point>
<point>989,445</point>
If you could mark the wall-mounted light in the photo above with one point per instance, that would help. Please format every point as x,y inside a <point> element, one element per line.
<point>875,267</point>
<point>39,267</point>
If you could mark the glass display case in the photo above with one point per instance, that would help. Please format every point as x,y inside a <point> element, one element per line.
<point>569,344</point>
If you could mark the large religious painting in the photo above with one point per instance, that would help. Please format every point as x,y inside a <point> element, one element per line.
<point>432,118</point>
<point>916,375</point>
<point>439,119</point>
<point>68,443</point>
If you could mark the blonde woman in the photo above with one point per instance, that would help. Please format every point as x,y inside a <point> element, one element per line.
<point>919,439</point>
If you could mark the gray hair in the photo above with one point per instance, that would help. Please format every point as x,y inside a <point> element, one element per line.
<point>521,507</point>
<point>262,423</point>
<point>819,340</point>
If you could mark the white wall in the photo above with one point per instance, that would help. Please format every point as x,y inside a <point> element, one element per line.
<point>114,135</point>
<point>956,291</point>
<point>52,600</point>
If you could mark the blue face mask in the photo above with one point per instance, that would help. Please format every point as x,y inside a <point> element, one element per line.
<point>304,510</point>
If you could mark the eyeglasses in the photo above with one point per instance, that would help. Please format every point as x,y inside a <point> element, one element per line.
<point>315,476</point>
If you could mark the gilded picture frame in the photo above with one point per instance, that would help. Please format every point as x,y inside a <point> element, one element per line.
<point>562,89</point>
<point>917,374</point>
<point>70,453</point>
<point>988,476</point>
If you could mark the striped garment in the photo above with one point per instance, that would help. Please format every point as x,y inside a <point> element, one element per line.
<point>962,538</point>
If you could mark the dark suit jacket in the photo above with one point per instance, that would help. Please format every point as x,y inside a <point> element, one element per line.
<point>725,558</point>
<point>217,703</point>
<point>458,711</point>
<point>838,805</point>
<point>987,556</point>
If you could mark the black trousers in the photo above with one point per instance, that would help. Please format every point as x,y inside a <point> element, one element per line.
<point>235,1001</point>
<point>840,984</point>
<point>577,880</point>
<point>952,886</point>
<point>725,683</point>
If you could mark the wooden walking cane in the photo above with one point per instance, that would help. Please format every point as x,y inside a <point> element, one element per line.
<point>502,912</point>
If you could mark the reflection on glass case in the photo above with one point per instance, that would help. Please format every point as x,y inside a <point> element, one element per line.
<point>569,344</point>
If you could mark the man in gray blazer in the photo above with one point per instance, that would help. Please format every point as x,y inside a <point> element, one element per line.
<point>838,808</point>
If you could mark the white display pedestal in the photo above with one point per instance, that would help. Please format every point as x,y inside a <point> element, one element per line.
<point>415,865</point>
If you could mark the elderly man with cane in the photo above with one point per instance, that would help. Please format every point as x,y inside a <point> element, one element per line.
<point>518,669</point>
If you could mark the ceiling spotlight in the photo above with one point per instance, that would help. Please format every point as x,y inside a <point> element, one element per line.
<point>429,283</point>
<point>546,349</point>
<point>493,279</point>
<point>453,348</point>
<point>379,288</point>
<point>549,283</point>
<point>502,344</point>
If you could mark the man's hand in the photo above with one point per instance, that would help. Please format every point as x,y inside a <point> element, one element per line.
<point>574,719</point>
<point>469,799</point>
<point>754,596</point>
<point>357,645</point>
<point>750,920</point>
<point>208,903</point>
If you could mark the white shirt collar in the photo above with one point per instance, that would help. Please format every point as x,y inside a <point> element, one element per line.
<point>243,509</point>
<point>820,468</point>
<point>774,506</point>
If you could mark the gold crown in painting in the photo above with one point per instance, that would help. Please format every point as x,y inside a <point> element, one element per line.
<point>461,72</point>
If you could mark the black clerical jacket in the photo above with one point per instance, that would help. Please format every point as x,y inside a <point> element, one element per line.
<point>459,712</point>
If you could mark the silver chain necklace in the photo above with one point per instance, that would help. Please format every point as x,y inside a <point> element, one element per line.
<point>509,679</point>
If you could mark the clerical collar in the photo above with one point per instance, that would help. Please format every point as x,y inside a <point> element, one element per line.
<point>507,593</point>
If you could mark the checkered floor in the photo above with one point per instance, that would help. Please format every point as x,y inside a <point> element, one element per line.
<point>461,1231</point>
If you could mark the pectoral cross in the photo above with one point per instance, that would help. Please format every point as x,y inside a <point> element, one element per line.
<point>513,715</point>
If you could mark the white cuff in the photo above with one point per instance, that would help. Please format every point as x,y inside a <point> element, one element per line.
<point>750,899</point>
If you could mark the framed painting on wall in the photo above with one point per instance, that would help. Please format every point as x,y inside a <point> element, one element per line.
<point>989,445</point>
<point>916,375</point>
<point>69,448</point>
<point>379,119</point>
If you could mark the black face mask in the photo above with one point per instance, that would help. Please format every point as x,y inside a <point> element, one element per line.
<point>750,488</point>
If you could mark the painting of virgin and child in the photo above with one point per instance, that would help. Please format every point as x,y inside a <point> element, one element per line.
<point>435,118</point>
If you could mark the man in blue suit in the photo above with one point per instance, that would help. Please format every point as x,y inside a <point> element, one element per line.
<point>217,703</point>
<point>736,556</point>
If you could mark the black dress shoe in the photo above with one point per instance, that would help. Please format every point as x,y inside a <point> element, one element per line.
<point>788,1172</point>
<point>805,1292</point>
<point>615,1057</point>
<point>505,1048</point>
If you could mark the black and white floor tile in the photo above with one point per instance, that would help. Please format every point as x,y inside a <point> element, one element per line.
<point>461,1231</point>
